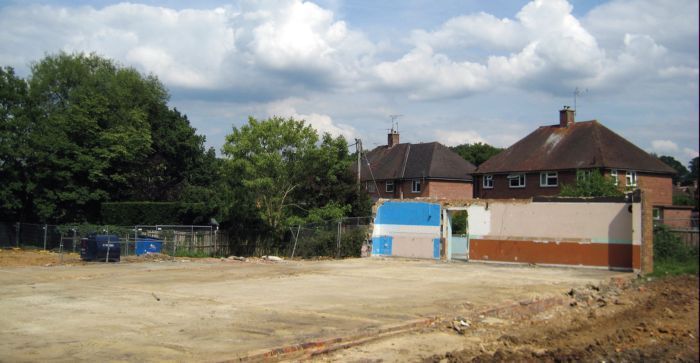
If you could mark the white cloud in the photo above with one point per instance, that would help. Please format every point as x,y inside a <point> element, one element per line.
<point>662,146</point>
<point>288,44</point>
<point>690,153</point>
<point>454,138</point>
<point>322,123</point>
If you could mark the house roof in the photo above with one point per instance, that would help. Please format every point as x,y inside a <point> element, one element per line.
<point>586,144</point>
<point>410,161</point>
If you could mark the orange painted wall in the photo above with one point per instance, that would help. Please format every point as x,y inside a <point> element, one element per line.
<point>561,253</point>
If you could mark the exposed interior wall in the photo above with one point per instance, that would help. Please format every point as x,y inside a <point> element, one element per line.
<point>589,234</point>
<point>407,229</point>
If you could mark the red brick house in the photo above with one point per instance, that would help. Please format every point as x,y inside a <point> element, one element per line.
<point>426,170</point>
<point>541,162</point>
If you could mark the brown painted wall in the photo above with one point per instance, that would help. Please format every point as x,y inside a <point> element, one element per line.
<point>442,189</point>
<point>532,186</point>
<point>677,217</point>
<point>658,187</point>
<point>563,253</point>
<point>437,189</point>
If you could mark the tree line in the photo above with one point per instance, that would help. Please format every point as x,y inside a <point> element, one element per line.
<point>81,130</point>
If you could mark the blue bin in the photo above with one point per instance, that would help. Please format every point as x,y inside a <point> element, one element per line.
<point>146,245</point>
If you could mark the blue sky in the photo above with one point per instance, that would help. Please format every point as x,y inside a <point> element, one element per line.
<point>458,71</point>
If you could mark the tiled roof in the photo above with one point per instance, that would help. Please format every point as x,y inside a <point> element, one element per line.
<point>581,145</point>
<point>410,161</point>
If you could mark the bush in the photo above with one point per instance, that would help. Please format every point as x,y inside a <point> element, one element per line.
<point>671,255</point>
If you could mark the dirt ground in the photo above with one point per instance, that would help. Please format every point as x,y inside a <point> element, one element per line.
<point>158,308</point>
<point>213,310</point>
<point>640,321</point>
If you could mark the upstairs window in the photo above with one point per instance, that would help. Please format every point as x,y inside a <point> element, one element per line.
<point>488,182</point>
<point>415,186</point>
<point>631,178</point>
<point>516,180</point>
<point>389,187</point>
<point>613,175</point>
<point>549,179</point>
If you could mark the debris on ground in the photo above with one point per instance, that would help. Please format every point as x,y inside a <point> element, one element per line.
<point>460,324</point>
<point>621,320</point>
<point>272,258</point>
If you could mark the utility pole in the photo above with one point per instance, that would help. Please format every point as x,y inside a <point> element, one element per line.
<point>358,149</point>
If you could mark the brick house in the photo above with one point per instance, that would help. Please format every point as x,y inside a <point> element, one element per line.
<point>541,162</point>
<point>425,170</point>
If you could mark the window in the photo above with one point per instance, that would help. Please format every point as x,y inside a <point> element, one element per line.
<point>516,180</point>
<point>371,187</point>
<point>631,178</point>
<point>656,213</point>
<point>613,175</point>
<point>549,179</point>
<point>389,187</point>
<point>488,182</point>
<point>415,186</point>
<point>582,175</point>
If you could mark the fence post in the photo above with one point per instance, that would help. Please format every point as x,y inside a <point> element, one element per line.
<point>337,255</point>
<point>17,234</point>
<point>45,230</point>
<point>74,235</point>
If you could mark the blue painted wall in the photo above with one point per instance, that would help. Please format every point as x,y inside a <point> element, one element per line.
<point>409,213</point>
<point>436,248</point>
<point>381,246</point>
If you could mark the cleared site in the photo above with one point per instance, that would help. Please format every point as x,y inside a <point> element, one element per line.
<point>213,310</point>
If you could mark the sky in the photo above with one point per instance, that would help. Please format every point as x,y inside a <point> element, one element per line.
<point>457,72</point>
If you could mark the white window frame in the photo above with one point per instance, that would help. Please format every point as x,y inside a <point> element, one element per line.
<point>545,179</point>
<point>371,188</point>
<point>631,178</point>
<point>584,174</point>
<point>519,177</point>
<point>487,183</point>
<point>414,183</point>
<point>614,176</point>
<point>387,184</point>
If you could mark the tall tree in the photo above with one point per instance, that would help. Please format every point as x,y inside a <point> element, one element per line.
<point>681,171</point>
<point>281,170</point>
<point>83,130</point>
<point>15,145</point>
<point>693,173</point>
<point>476,153</point>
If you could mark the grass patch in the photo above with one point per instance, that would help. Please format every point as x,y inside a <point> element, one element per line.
<point>671,256</point>
<point>671,267</point>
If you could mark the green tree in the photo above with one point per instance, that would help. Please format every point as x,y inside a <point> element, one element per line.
<point>693,173</point>
<point>681,171</point>
<point>476,153</point>
<point>594,184</point>
<point>15,145</point>
<point>82,130</point>
<point>270,159</point>
<point>280,170</point>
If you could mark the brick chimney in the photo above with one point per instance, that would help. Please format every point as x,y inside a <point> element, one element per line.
<point>566,116</point>
<point>392,138</point>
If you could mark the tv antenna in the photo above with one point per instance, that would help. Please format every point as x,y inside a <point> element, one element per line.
<point>394,123</point>
<point>578,93</point>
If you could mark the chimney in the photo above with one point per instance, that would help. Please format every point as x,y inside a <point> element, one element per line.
<point>566,116</point>
<point>392,138</point>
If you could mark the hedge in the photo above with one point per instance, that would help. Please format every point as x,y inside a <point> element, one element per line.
<point>152,213</point>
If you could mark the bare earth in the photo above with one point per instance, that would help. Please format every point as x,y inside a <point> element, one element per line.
<point>212,310</point>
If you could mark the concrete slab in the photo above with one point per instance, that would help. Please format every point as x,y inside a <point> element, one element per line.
<point>209,311</point>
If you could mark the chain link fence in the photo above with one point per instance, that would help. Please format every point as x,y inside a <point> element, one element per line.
<point>193,241</point>
<point>342,238</point>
